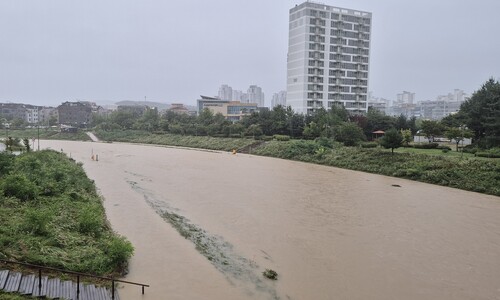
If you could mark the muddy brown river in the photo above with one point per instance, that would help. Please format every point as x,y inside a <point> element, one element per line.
<point>205,225</point>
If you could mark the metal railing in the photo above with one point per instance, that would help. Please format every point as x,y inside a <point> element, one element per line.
<point>78,274</point>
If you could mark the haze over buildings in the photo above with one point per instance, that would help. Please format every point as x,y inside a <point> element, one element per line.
<point>55,51</point>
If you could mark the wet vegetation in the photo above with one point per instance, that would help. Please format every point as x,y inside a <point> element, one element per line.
<point>51,215</point>
<point>205,142</point>
<point>47,134</point>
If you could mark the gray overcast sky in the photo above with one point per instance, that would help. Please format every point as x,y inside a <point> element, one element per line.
<point>172,51</point>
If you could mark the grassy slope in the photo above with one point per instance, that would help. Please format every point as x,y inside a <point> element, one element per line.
<point>52,215</point>
<point>46,134</point>
<point>204,142</point>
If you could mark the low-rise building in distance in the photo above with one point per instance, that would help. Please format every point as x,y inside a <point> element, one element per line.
<point>78,114</point>
<point>231,110</point>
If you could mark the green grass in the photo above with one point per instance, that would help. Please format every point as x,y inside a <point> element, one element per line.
<point>12,296</point>
<point>45,134</point>
<point>51,215</point>
<point>204,142</point>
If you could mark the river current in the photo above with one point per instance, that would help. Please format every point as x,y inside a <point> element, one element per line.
<point>206,224</point>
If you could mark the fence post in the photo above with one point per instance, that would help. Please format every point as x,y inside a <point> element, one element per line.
<point>143,290</point>
<point>77,286</point>
<point>112,290</point>
<point>39,282</point>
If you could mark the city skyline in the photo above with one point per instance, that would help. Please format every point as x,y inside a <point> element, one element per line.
<point>73,51</point>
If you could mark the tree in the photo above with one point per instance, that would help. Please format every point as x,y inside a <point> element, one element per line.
<point>482,113</point>
<point>254,130</point>
<point>431,129</point>
<point>407,136</point>
<point>392,139</point>
<point>457,134</point>
<point>311,130</point>
<point>349,133</point>
<point>401,122</point>
<point>377,120</point>
<point>26,143</point>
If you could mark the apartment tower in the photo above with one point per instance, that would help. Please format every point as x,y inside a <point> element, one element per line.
<point>328,58</point>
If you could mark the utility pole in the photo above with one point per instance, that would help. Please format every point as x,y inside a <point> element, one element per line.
<point>38,127</point>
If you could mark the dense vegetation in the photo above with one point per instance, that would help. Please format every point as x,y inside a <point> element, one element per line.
<point>46,134</point>
<point>205,142</point>
<point>52,215</point>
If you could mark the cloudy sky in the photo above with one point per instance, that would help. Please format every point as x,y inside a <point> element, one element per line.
<point>173,51</point>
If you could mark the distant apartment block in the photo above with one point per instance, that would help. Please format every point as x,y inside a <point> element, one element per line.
<point>255,95</point>
<point>406,97</point>
<point>279,98</point>
<point>328,58</point>
<point>226,92</point>
<point>231,110</point>
<point>45,114</point>
<point>78,114</point>
<point>443,106</point>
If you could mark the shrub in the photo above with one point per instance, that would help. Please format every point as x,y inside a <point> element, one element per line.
<point>442,147</point>
<point>36,221</point>
<point>90,221</point>
<point>271,274</point>
<point>19,186</point>
<point>119,250</point>
<point>325,142</point>
<point>369,145</point>
<point>445,150</point>
<point>488,154</point>
<point>426,146</point>
<point>281,138</point>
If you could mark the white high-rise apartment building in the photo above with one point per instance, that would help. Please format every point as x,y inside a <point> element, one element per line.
<point>255,95</point>
<point>226,92</point>
<point>328,57</point>
<point>279,98</point>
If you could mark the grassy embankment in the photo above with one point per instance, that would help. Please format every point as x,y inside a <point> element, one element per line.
<point>463,171</point>
<point>204,142</point>
<point>45,134</point>
<point>51,215</point>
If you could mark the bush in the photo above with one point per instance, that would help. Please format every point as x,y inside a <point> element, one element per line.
<point>442,147</point>
<point>325,142</point>
<point>281,138</point>
<point>488,154</point>
<point>426,146</point>
<point>19,186</point>
<point>271,274</point>
<point>36,221</point>
<point>119,250</point>
<point>369,145</point>
<point>90,221</point>
<point>446,150</point>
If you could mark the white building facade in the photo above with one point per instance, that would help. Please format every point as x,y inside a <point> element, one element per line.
<point>226,92</point>
<point>328,58</point>
<point>255,95</point>
<point>279,98</point>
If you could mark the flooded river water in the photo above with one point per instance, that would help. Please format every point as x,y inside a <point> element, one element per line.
<point>205,225</point>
